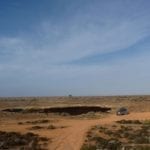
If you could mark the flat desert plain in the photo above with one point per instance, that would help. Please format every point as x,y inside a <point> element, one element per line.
<point>74,123</point>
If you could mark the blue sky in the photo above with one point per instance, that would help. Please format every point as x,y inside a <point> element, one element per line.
<point>78,47</point>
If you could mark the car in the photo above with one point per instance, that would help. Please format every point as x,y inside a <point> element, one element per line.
<point>122,111</point>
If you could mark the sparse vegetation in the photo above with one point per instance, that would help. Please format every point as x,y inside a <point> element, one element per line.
<point>43,121</point>
<point>88,147</point>
<point>51,127</point>
<point>129,122</point>
<point>138,133</point>
<point>36,128</point>
<point>15,140</point>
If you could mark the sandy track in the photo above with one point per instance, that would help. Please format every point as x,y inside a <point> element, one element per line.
<point>72,137</point>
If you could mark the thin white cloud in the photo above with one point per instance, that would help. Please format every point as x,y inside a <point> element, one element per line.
<point>89,32</point>
<point>58,47</point>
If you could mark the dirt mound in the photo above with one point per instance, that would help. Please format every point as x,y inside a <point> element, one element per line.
<point>15,140</point>
<point>76,110</point>
<point>13,110</point>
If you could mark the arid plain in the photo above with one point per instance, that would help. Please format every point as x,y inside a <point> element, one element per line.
<point>64,123</point>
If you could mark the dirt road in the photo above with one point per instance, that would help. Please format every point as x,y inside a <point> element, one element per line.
<point>72,137</point>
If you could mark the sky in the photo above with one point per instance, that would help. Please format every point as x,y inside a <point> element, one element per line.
<point>78,47</point>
